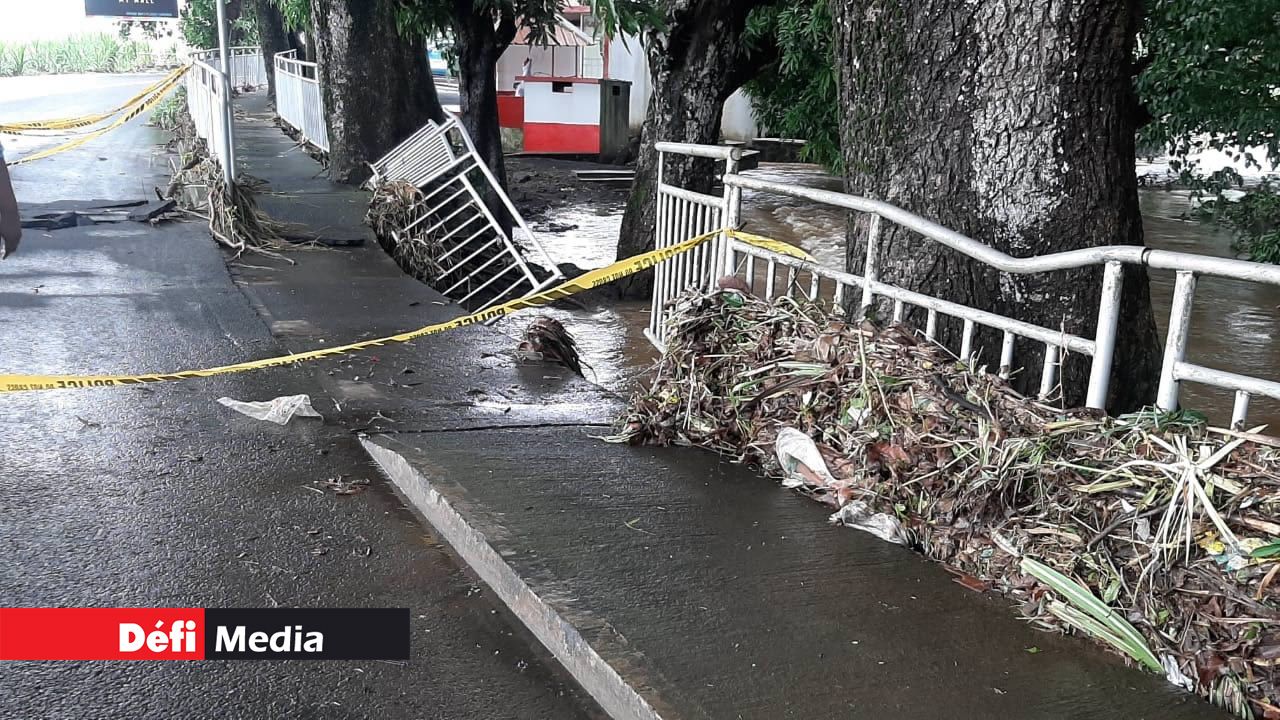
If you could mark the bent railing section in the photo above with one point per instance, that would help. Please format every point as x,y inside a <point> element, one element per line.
<point>298,99</point>
<point>683,214</point>
<point>474,261</point>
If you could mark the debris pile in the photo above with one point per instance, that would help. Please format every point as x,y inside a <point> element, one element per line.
<point>1165,525</point>
<point>396,208</point>
<point>545,339</point>
<point>198,186</point>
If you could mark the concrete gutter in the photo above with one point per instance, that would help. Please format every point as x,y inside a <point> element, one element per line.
<point>597,677</point>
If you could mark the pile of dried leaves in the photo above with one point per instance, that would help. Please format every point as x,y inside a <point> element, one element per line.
<point>1161,517</point>
<point>398,215</point>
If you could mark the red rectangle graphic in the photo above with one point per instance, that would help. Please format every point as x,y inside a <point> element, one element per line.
<point>101,633</point>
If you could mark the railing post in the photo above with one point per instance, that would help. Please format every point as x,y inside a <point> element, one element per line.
<point>1239,410</point>
<point>1175,346</point>
<point>661,269</point>
<point>730,218</point>
<point>228,144</point>
<point>871,269</point>
<point>1105,336</point>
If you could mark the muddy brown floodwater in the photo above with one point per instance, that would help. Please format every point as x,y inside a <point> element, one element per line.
<point>1233,327</point>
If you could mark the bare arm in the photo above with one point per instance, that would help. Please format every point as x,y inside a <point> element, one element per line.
<point>10,225</point>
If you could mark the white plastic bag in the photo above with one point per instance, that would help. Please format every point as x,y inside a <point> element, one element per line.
<point>884,526</point>
<point>794,449</point>
<point>279,411</point>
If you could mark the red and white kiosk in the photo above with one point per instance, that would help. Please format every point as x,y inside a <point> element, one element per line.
<point>560,94</point>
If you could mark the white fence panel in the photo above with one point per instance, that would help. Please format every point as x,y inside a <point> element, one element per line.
<point>298,99</point>
<point>248,68</point>
<point>206,105</point>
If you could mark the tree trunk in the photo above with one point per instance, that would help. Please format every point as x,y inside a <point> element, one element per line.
<point>480,41</point>
<point>306,50</point>
<point>376,84</point>
<point>1014,125</point>
<point>696,62</point>
<point>272,38</point>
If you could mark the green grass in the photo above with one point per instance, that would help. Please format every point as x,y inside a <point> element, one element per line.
<point>100,52</point>
<point>168,112</point>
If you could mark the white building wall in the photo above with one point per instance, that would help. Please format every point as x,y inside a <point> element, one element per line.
<point>580,105</point>
<point>627,61</point>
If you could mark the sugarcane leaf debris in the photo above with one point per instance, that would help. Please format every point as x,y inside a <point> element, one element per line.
<point>1150,531</point>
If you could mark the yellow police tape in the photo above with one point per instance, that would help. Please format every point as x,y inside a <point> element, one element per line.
<point>80,121</point>
<point>157,95</point>
<point>587,281</point>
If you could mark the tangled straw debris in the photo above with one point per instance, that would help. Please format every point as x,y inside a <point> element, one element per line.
<point>1153,513</point>
<point>395,206</point>
<point>231,210</point>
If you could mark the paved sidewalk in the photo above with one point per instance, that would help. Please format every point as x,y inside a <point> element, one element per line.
<point>670,584</point>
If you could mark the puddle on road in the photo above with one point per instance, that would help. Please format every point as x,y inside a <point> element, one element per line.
<point>1234,323</point>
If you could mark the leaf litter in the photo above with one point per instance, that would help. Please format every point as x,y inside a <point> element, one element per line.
<point>1151,532</point>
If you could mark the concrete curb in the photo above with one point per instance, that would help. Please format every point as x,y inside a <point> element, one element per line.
<point>618,698</point>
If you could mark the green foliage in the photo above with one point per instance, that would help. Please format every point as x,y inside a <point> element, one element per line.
<point>1212,75</point>
<point>1267,551</point>
<point>1255,218</point>
<point>434,18</point>
<point>99,52</point>
<point>1083,610</point>
<point>168,112</point>
<point>797,95</point>
<point>198,21</point>
<point>296,14</point>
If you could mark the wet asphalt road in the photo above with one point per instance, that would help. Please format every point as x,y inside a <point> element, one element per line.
<point>157,496</point>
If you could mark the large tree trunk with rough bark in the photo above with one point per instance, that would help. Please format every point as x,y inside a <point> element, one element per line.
<point>480,39</point>
<point>376,83</point>
<point>1012,123</point>
<point>696,62</point>
<point>272,38</point>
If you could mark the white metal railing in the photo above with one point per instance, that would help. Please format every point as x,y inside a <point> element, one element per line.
<point>480,265</point>
<point>298,99</point>
<point>207,106</point>
<point>248,68</point>
<point>682,214</point>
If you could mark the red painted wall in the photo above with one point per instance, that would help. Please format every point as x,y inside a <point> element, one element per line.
<point>510,110</point>
<point>561,138</point>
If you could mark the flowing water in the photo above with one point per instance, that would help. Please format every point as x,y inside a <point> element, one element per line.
<point>1233,326</point>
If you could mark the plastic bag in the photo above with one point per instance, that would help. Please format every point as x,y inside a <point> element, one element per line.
<point>800,459</point>
<point>279,411</point>
<point>884,526</point>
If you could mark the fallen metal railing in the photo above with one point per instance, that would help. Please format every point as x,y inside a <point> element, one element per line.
<point>298,99</point>
<point>480,264</point>
<point>682,214</point>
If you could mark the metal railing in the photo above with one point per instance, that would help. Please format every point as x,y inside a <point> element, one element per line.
<point>207,106</point>
<point>298,99</point>
<point>479,265</point>
<point>682,214</point>
<point>248,68</point>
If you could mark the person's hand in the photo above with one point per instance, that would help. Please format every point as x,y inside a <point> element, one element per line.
<point>10,234</point>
